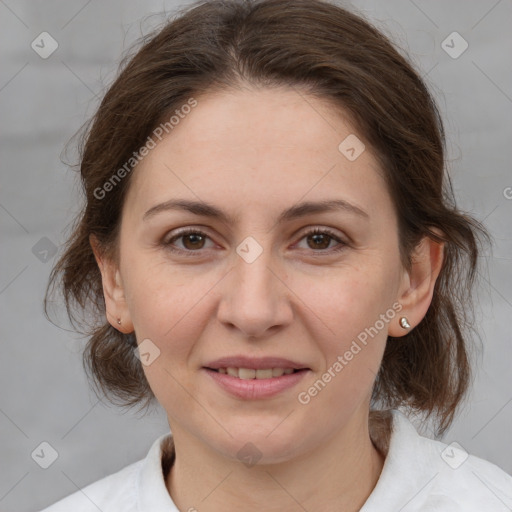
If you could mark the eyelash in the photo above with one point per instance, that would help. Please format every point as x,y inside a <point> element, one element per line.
<point>315,231</point>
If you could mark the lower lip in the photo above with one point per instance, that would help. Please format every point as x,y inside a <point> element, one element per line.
<point>253,389</point>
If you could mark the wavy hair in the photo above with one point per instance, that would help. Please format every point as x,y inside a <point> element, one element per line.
<point>333,54</point>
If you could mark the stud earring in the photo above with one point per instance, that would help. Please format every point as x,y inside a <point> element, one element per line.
<point>404,323</point>
<point>119,321</point>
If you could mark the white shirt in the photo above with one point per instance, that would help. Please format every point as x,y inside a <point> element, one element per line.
<point>419,475</point>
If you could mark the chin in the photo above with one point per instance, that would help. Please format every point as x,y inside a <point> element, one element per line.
<point>263,445</point>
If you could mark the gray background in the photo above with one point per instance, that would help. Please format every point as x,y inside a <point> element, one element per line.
<point>44,393</point>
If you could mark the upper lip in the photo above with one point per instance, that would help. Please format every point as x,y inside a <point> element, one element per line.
<point>256,363</point>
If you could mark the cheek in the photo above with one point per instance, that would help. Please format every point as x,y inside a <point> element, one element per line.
<point>157,294</point>
<point>166,308</point>
<point>350,315</point>
<point>351,337</point>
<point>170,305</point>
<point>348,301</point>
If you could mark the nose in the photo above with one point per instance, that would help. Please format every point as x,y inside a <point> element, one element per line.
<point>255,298</point>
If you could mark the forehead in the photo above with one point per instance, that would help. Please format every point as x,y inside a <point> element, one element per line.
<point>253,123</point>
<point>258,146</point>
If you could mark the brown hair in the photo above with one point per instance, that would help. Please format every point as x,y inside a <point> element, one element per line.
<point>337,56</point>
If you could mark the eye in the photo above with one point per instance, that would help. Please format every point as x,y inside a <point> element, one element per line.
<point>319,239</point>
<point>193,240</point>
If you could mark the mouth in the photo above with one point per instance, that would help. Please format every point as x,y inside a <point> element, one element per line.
<point>256,374</point>
<point>255,383</point>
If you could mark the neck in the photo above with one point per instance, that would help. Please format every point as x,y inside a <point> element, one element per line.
<point>338,474</point>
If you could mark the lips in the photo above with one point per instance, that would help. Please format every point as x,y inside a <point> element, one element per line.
<point>253,363</point>
<point>255,389</point>
<point>255,378</point>
<point>251,373</point>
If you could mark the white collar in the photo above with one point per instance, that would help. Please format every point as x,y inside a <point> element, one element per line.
<point>415,476</point>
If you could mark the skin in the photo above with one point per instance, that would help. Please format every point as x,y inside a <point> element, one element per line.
<point>295,300</point>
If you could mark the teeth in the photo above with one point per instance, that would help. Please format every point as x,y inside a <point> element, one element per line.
<point>264,374</point>
<point>251,373</point>
<point>232,371</point>
<point>246,373</point>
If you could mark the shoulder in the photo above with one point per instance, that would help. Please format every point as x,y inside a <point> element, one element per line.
<point>120,491</point>
<point>111,493</point>
<point>469,481</point>
<point>425,475</point>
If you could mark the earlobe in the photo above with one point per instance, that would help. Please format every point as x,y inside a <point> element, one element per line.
<point>113,290</point>
<point>418,284</point>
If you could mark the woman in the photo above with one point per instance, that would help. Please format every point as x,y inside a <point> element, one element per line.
<point>271,248</point>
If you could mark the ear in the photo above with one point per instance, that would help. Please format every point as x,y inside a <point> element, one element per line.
<point>113,291</point>
<point>417,287</point>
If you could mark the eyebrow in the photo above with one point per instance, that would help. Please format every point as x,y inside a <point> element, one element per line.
<point>294,212</point>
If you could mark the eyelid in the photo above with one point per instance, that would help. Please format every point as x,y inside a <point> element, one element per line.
<point>181,232</point>
<point>334,232</point>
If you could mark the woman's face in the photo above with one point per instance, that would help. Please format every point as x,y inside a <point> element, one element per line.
<point>256,283</point>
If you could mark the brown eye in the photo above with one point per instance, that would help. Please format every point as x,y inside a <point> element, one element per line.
<point>319,240</point>
<point>192,241</point>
